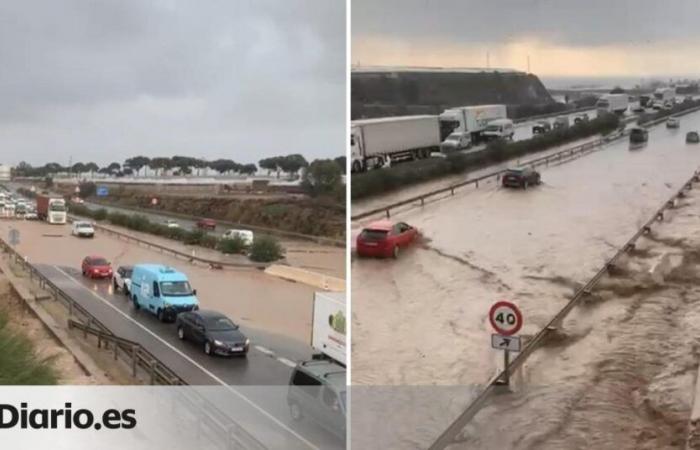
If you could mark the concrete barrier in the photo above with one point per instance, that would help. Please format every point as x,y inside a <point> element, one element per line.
<point>319,280</point>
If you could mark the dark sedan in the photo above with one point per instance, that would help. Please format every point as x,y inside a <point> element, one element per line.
<point>541,127</point>
<point>216,332</point>
<point>521,178</point>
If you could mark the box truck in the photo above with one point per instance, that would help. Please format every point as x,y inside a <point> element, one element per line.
<point>470,120</point>
<point>663,95</point>
<point>612,103</point>
<point>51,209</point>
<point>328,326</point>
<point>374,141</point>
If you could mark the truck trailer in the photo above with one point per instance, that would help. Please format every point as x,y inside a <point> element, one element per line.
<point>471,120</point>
<point>374,141</point>
<point>329,326</point>
<point>612,103</point>
<point>51,209</point>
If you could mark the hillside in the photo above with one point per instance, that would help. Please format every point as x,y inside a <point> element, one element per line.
<point>389,92</point>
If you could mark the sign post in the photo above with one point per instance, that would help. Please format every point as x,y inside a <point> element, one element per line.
<point>506,319</point>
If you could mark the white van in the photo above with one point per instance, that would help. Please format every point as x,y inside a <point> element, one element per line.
<point>245,235</point>
<point>499,129</point>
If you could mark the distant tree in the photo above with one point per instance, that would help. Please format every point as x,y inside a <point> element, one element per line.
<point>222,165</point>
<point>183,163</point>
<point>269,164</point>
<point>127,171</point>
<point>137,163</point>
<point>341,161</point>
<point>248,169</point>
<point>114,167</point>
<point>78,168</point>
<point>91,167</point>
<point>323,177</point>
<point>160,164</point>
<point>291,163</point>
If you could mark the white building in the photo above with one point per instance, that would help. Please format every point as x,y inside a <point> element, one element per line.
<point>5,172</point>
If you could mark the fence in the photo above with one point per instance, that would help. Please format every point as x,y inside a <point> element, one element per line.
<point>138,357</point>
<point>560,156</point>
<point>448,436</point>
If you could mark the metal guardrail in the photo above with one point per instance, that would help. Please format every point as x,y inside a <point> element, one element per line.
<point>138,357</point>
<point>167,250</point>
<point>448,436</point>
<point>559,156</point>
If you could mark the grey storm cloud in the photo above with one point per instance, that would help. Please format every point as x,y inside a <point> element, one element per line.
<point>567,22</point>
<point>105,80</point>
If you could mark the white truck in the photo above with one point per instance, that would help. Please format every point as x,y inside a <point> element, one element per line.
<point>612,103</point>
<point>471,120</point>
<point>51,209</point>
<point>664,96</point>
<point>374,141</point>
<point>328,326</point>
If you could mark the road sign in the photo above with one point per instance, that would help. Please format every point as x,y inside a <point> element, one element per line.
<point>505,318</point>
<point>14,236</point>
<point>511,343</point>
<point>102,191</point>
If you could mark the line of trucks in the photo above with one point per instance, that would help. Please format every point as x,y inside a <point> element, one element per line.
<point>373,142</point>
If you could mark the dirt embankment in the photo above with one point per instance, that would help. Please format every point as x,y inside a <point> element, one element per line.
<point>299,215</point>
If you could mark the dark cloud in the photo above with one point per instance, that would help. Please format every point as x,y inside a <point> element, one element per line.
<point>106,80</point>
<point>565,22</point>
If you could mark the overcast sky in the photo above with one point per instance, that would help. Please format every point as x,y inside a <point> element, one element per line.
<point>105,80</point>
<point>563,37</point>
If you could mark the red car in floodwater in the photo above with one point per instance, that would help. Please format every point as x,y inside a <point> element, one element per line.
<point>206,224</point>
<point>384,238</point>
<point>96,267</point>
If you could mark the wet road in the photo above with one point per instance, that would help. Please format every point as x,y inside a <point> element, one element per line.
<point>267,407</point>
<point>422,319</point>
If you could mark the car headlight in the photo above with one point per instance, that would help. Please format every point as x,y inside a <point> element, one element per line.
<point>167,305</point>
<point>247,341</point>
<point>218,342</point>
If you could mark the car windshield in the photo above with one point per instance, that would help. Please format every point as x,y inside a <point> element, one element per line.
<point>374,235</point>
<point>452,137</point>
<point>175,288</point>
<point>84,225</point>
<point>99,262</point>
<point>514,171</point>
<point>127,273</point>
<point>220,324</point>
<point>58,208</point>
<point>493,128</point>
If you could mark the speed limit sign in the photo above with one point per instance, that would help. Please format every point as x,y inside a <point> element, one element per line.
<point>505,318</point>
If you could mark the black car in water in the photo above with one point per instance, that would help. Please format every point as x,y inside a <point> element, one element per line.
<point>218,333</point>
<point>541,127</point>
<point>521,178</point>
<point>639,135</point>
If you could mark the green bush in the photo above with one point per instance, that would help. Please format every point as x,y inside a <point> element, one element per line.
<point>404,174</point>
<point>99,214</point>
<point>234,245</point>
<point>266,249</point>
<point>19,364</point>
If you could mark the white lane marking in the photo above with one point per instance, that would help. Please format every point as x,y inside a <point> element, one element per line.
<point>287,362</point>
<point>264,350</point>
<point>218,380</point>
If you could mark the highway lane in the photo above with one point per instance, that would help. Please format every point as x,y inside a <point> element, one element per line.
<point>488,244</point>
<point>189,362</point>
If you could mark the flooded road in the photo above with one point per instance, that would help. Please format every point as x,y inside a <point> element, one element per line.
<point>422,319</point>
<point>621,374</point>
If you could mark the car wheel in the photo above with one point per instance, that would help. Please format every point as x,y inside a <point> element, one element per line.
<point>525,184</point>
<point>161,315</point>
<point>207,348</point>
<point>115,285</point>
<point>295,411</point>
<point>181,333</point>
<point>395,252</point>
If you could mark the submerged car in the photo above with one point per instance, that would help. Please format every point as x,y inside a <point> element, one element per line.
<point>581,118</point>
<point>82,229</point>
<point>541,127</point>
<point>521,178</point>
<point>673,122</point>
<point>219,334</point>
<point>455,141</point>
<point>639,135</point>
<point>692,137</point>
<point>206,224</point>
<point>96,267</point>
<point>170,223</point>
<point>385,238</point>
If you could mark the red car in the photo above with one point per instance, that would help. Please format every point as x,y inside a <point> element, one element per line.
<point>385,238</point>
<point>96,267</point>
<point>206,224</point>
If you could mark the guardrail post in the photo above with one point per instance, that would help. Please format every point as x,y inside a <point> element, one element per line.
<point>452,191</point>
<point>387,213</point>
<point>85,329</point>
<point>152,367</point>
<point>116,351</point>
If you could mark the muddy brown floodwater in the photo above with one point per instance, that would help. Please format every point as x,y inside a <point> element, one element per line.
<point>619,376</point>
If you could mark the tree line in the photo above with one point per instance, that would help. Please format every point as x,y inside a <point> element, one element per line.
<point>180,165</point>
